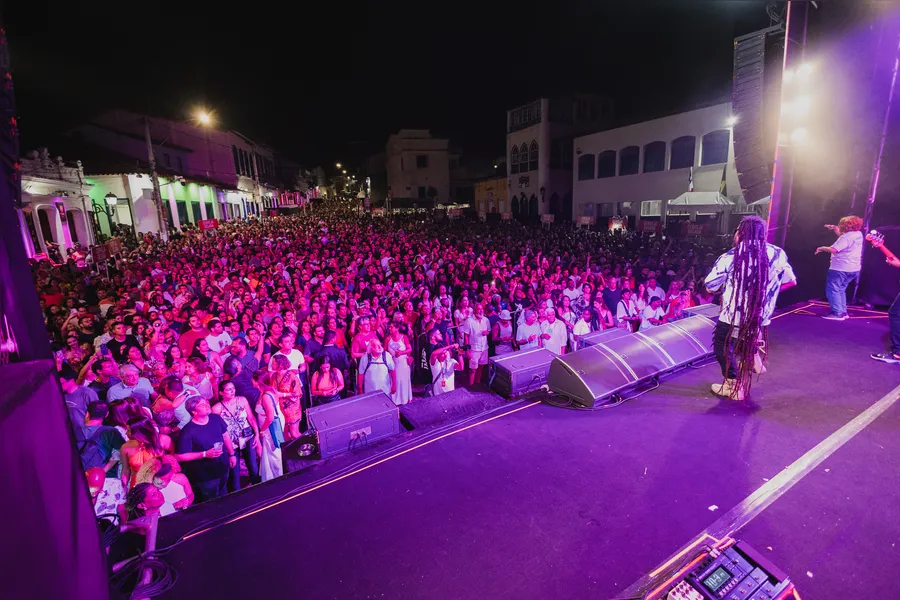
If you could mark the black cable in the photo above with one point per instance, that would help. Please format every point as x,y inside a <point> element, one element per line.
<point>162,577</point>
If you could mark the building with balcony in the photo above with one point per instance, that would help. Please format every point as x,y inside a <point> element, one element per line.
<point>636,170</point>
<point>539,151</point>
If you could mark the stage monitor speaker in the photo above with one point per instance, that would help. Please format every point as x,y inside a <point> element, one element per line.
<point>457,405</point>
<point>353,423</point>
<point>710,311</point>
<point>754,105</point>
<point>599,337</point>
<point>592,375</point>
<point>520,372</point>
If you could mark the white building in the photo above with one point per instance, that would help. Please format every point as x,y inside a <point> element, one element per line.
<point>418,165</point>
<point>55,204</point>
<point>539,151</point>
<point>632,170</point>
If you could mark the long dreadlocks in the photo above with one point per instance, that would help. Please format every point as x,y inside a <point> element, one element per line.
<point>749,280</point>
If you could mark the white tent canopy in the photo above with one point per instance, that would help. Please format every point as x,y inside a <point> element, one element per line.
<point>697,199</point>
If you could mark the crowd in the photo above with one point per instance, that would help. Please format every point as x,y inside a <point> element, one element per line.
<point>190,363</point>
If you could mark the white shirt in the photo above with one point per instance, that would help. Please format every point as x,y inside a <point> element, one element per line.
<point>780,273</point>
<point>573,294</point>
<point>558,336</point>
<point>475,326</point>
<point>525,331</point>
<point>651,313</point>
<point>658,292</point>
<point>625,310</point>
<point>295,356</point>
<point>444,376</point>
<point>848,257</point>
<point>376,372</point>
<point>217,342</point>
<point>582,327</point>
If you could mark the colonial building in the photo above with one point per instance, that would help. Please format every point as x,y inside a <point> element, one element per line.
<point>539,151</point>
<point>418,165</point>
<point>234,176</point>
<point>55,204</point>
<point>637,169</point>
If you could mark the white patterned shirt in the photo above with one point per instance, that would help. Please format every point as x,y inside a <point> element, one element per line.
<point>780,273</point>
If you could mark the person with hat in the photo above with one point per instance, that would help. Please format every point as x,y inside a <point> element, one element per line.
<point>503,333</point>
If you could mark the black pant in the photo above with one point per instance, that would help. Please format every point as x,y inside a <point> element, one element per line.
<point>894,321</point>
<point>252,462</point>
<point>723,345</point>
<point>209,490</point>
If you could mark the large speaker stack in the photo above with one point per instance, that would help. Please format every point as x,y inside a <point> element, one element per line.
<point>755,104</point>
<point>591,376</point>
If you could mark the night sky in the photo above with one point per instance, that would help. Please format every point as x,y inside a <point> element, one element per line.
<point>310,80</point>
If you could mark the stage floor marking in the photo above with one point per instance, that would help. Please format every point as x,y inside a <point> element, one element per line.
<point>739,516</point>
<point>354,472</point>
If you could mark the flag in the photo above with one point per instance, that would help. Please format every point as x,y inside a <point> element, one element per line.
<point>691,180</point>
<point>723,185</point>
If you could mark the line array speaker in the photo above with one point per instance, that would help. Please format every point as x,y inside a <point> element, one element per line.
<point>592,375</point>
<point>754,103</point>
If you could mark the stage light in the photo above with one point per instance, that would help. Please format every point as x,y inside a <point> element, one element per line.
<point>799,136</point>
<point>338,165</point>
<point>801,105</point>
<point>730,121</point>
<point>787,76</point>
<point>804,70</point>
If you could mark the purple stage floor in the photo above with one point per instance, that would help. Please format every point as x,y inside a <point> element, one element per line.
<point>552,503</point>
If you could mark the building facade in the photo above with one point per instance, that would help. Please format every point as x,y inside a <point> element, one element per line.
<point>56,205</point>
<point>490,196</point>
<point>418,166</point>
<point>634,170</point>
<point>205,172</point>
<point>539,151</point>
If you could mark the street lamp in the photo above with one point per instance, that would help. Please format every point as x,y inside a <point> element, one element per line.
<point>204,117</point>
<point>339,165</point>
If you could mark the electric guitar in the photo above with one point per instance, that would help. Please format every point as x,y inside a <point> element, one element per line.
<point>877,240</point>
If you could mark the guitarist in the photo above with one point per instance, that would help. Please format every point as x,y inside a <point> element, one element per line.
<point>892,357</point>
<point>846,261</point>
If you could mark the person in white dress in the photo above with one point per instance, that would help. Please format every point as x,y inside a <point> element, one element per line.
<point>401,351</point>
<point>271,427</point>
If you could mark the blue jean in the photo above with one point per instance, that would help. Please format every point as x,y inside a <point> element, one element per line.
<point>894,320</point>
<point>836,289</point>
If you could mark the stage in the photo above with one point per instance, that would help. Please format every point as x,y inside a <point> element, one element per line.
<point>534,501</point>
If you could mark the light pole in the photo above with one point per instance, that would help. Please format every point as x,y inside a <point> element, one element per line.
<point>157,196</point>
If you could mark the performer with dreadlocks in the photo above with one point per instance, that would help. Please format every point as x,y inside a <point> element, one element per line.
<point>751,275</point>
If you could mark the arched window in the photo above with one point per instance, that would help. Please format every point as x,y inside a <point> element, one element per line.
<point>629,160</point>
<point>714,147</point>
<point>586,167</point>
<point>533,158</point>
<point>523,158</point>
<point>606,164</point>
<point>654,157</point>
<point>514,160</point>
<point>683,152</point>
